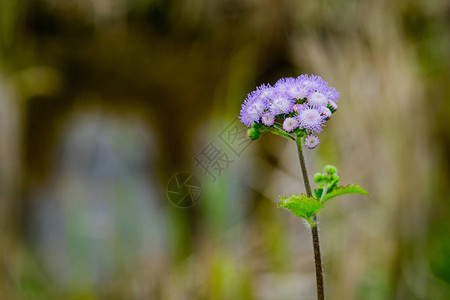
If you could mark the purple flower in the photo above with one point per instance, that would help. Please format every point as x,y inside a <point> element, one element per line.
<point>285,100</point>
<point>325,111</point>
<point>268,119</point>
<point>281,104</point>
<point>311,119</point>
<point>251,111</point>
<point>311,141</point>
<point>292,87</point>
<point>255,105</point>
<point>265,92</point>
<point>317,99</point>
<point>317,84</point>
<point>333,105</point>
<point>313,83</point>
<point>332,94</point>
<point>290,124</point>
<point>297,107</point>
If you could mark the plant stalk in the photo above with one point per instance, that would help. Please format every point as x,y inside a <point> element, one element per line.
<point>314,230</point>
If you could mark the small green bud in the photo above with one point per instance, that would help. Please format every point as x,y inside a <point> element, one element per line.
<point>253,133</point>
<point>318,177</point>
<point>330,169</point>
<point>256,125</point>
<point>335,177</point>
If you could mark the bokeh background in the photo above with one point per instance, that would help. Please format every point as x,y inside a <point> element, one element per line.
<point>103,101</point>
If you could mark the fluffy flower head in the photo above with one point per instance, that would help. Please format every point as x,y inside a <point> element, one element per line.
<point>255,105</point>
<point>292,87</point>
<point>317,99</point>
<point>297,107</point>
<point>305,102</point>
<point>311,141</point>
<point>326,112</point>
<point>333,105</point>
<point>290,124</point>
<point>311,120</point>
<point>268,119</point>
<point>281,104</point>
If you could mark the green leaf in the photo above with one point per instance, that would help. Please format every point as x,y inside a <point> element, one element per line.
<point>318,192</point>
<point>302,206</point>
<point>333,182</point>
<point>348,189</point>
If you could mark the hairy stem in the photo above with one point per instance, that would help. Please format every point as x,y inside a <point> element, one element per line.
<point>314,230</point>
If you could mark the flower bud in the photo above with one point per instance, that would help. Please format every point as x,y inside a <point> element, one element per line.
<point>318,177</point>
<point>330,169</point>
<point>253,133</point>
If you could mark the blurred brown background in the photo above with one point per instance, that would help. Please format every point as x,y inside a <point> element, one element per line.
<point>103,101</point>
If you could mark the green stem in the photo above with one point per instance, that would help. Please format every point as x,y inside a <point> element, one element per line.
<point>314,229</point>
<point>303,166</point>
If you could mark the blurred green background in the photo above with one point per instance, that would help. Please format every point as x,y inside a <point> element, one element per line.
<point>103,101</point>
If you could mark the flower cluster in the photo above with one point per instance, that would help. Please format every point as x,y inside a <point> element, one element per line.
<point>300,105</point>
